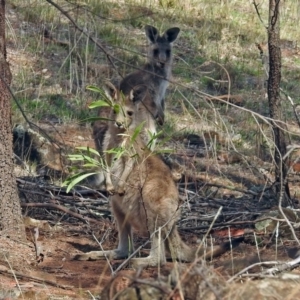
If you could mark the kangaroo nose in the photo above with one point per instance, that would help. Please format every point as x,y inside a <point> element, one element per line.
<point>119,124</point>
<point>162,57</point>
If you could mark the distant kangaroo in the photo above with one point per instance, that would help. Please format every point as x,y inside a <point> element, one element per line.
<point>157,71</point>
<point>149,200</point>
<point>155,75</point>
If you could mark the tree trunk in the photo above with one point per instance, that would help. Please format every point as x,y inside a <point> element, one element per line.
<point>11,222</point>
<point>274,96</point>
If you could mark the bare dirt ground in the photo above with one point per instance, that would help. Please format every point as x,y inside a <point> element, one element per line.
<point>57,275</point>
<point>60,277</point>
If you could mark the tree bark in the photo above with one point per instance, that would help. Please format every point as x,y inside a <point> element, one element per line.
<point>274,96</point>
<point>11,222</point>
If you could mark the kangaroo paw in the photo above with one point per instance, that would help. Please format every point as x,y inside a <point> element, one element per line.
<point>143,262</point>
<point>110,189</point>
<point>99,255</point>
<point>121,190</point>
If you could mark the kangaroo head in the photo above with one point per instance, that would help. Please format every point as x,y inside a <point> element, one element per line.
<point>122,107</point>
<point>130,109</point>
<point>160,50</point>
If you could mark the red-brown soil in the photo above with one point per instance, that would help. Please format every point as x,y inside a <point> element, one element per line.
<point>58,275</point>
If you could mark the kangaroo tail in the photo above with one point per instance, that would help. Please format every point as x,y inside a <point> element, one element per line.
<point>220,249</point>
<point>183,252</point>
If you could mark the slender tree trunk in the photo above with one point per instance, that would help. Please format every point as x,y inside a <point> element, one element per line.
<point>274,95</point>
<point>11,222</point>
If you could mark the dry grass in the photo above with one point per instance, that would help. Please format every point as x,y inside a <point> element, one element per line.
<point>216,54</point>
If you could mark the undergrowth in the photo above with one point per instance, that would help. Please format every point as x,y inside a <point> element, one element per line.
<point>216,54</point>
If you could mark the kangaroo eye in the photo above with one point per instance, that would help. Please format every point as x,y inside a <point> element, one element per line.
<point>155,52</point>
<point>129,113</point>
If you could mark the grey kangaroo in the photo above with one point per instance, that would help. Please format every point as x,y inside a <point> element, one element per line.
<point>154,75</point>
<point>157,71</point>
<point>150,202</point>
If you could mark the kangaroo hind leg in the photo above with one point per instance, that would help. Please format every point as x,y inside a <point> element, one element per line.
<point>157,255</point>
<point>125,243</point>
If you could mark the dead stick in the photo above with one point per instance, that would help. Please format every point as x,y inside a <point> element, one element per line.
<point>62,208</point>
<point>233,223</point>
<point>5,271</point>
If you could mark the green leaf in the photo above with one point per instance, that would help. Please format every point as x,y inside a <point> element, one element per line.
<point>116,108</point>
<point>153,137</point>
<point>167,151</point>
<point>137,131</point>
<point>100,103</point>
<point>92,161</point>
<point>115,150</point>
<point>164,140</point>
<point>75,157</point>
<point>90,165</point>
<point>94,89</point>
<point>94,151</point>
<point>118,152</point>
<point>71,183</point>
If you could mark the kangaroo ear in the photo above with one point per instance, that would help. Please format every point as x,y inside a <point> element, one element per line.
<point>171,34</point>
<point>131,95</point>
<point>137,93</point>
<point>151,33</point>
<point>110,91</point>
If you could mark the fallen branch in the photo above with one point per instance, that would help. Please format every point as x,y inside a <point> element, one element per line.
<point>199,177</point>
<point>278,267</point>
<point>283,267</point>
<point>266,263</point>
<point>6,271</point>
<point>224,224</point>
<point>61,208</point>
<point>37,194</point>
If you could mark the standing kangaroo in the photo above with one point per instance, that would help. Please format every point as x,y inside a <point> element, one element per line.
<point>157,71</point>
<point>150,199</point>
<point>154,75</point>
<point>124,121</point>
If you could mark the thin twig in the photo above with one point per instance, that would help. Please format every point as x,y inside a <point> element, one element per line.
<point>278,268</point>
<point>283,267</point>
<point>224,224</point>
<point>66,14</point>
<point>258,13</point>
<point>31,124</point>
<point>106,256</point>
<point>265,263</point>
<point>16,274</point>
